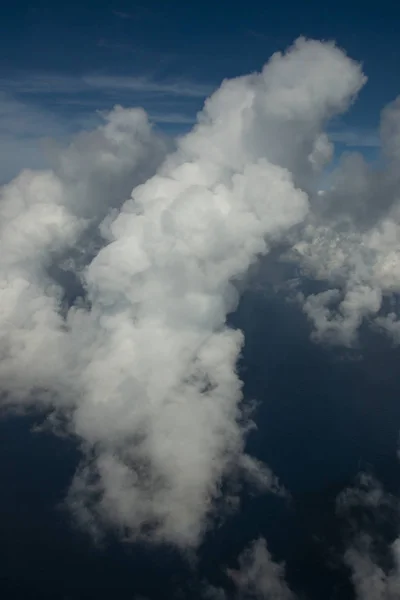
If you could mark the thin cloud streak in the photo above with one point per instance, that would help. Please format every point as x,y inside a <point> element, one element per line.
<point>53,84</point>
<point>122,15</point>
<point>145,85</point>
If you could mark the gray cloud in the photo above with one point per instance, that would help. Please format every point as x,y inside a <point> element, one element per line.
<point>372,582</point>
<point>258,576</point>
<point>374,564</point>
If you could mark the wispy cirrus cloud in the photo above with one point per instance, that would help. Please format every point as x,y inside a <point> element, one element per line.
<point>122,15</point>
<point>53,84</point>
<point>136,12</point>
<point>179,87</point>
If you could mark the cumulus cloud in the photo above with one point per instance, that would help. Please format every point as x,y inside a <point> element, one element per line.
<point>44,215</point>
<point>139,359</point>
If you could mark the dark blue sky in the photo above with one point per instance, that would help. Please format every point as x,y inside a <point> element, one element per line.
<point>204,41</point>
<point>180,37</point>
<point>47,51</point>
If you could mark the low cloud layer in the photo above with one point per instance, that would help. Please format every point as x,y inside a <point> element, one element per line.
<point>119,266</point>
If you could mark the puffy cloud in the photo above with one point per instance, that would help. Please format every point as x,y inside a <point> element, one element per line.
<point>43,216</point>
<point>279,114</point>
<point>143,366</point>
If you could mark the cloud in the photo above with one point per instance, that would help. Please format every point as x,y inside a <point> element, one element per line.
<point>370,581</point>
<point>147,86</point>
<point>52,84</point>
<point>39,107</point>
<point>43,214</point>
<point>37,110</point>
<point>258,576</point>
<point>350,244</point>
<point>120,264</point>
<point>373,560</point>
<point>137,357</point>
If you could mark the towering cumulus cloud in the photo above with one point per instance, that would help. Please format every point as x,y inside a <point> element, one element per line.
<point>143,366</point>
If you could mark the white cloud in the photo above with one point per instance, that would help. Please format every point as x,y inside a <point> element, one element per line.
<point>43,214</point>
<point>350,242</point>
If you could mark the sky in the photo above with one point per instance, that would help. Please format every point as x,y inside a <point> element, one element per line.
<point>199,291</point>
<point>60,64</point>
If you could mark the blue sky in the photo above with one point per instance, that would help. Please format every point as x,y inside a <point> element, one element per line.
<point>60,63</point>
<point>319,421</point>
